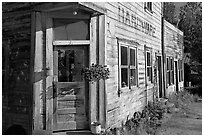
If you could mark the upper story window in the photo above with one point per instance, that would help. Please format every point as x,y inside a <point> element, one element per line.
<point>128,66</point>
<point>148,7</point>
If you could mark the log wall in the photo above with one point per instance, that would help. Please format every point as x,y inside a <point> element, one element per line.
<point>16,32</point>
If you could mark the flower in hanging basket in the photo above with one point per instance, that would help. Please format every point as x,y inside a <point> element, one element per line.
<point>96,72</point>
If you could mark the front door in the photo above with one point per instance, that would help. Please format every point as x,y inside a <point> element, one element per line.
<point>160,76</point>
<point>70,89</point>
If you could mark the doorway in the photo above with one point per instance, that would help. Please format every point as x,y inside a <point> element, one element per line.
<point>70,56</point>
<point>160,76</point>
<point>70,106</point>
<point>176,73</point>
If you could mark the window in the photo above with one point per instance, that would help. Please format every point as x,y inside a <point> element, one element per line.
<point>180,70</point>
<point>148,6</point>
<point>169,71</point>
<point>149,67</point>
<point>128,66</point>
<point>172,70</point>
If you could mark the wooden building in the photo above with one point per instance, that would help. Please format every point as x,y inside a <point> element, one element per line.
<point>173,53</point>
<point>46,45</point>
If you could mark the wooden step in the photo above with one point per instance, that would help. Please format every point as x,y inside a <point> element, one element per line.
<point>74,132</point>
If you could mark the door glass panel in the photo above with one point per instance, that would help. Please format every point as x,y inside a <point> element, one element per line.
<point>70,65</point>
<point>71,29</point>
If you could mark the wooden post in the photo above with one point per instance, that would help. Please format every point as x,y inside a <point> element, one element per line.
<point>92,59</point>
<point>101,47</point>
<point>38,74</point>
<point>49,74</point>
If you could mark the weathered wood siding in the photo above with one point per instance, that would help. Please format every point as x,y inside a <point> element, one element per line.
<point>173,45</point>
<point>16,35</point>
<point>118,108</point>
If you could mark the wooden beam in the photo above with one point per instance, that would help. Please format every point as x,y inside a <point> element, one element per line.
<point>38,68</point>
<point>49,73</point>
<point>94,7</point>
<point>71,42</point>
<point>92,59</point>
<point>102,30</point>
<point>53,6</point>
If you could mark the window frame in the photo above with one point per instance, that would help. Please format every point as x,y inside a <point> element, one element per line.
<point>151,66</point>
<point>128,66</point>
<point>172,70</point>
<point>180,69</point>
<point>169,71</point>
<point>149,8</point>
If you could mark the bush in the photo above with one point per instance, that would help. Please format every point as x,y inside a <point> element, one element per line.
<point>182,99</point>
<point>145,122</point>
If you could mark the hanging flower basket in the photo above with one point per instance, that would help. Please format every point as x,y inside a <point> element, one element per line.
<point>96,72</point>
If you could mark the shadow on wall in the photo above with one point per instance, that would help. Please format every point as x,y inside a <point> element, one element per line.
<point>15,130</point>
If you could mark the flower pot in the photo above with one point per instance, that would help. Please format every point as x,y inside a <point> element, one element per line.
<point>95,129</point>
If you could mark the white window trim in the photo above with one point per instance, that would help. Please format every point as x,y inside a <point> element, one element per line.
<point>120,66</point>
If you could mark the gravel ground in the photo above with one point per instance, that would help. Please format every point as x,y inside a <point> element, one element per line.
<point>183,123</point>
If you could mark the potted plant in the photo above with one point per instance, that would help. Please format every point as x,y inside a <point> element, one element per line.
<point>95,127</point>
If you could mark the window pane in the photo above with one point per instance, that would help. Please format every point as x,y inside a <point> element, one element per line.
<point>149,73</point>
<point>148,59</point>
<point>167,77</point>
<point>123,55</point>
<point>133,77</point>
<point>172,64</point>
<point>132,57</point>
<point>149,5</point>
<point>70,65</point>
<point>124,77</point>
<point>167,63</point>
<point>69,29</point>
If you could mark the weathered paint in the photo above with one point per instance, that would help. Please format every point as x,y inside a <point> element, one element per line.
<point>125,23</point>
<point>173,42</point>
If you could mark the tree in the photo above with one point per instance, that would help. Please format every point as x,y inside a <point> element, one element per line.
<point>169,12</point>
<point>190,22</point>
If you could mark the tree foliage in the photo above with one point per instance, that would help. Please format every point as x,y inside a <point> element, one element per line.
<point>190,22</point>
<point>169,12</point>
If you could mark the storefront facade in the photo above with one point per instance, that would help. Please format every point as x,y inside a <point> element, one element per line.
<point>63,39</point>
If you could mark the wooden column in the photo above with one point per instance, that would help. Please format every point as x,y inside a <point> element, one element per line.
<point>92,59</point>
<point>101,59</point>
<point>38,74</point>
<point>49,74</point>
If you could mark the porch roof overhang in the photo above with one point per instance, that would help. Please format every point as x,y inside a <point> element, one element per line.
<point>89,7</point>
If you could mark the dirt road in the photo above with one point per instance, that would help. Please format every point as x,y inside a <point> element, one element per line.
<point>180,123</point>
